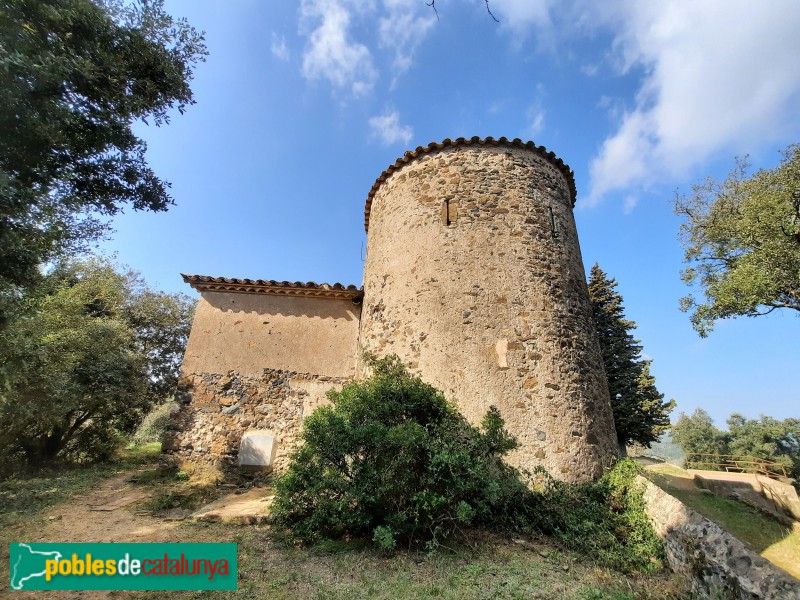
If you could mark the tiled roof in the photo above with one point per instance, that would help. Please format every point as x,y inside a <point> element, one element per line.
<point>204,283</point>
<point>475,141</point>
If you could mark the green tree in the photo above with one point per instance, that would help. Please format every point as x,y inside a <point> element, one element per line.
<point>742,242</point>
<point>87,355</point>
<point>74,76</point>
<point>767,438</point>
<point>697,434</point>
<point>641,414</point>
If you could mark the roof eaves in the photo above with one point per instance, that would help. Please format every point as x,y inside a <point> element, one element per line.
<point>310,289</point>
<point>411,155</point>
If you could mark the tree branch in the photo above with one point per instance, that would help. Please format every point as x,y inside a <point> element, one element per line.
<point>490,11</point>
<point>432,4</point>
<point>67,436</point>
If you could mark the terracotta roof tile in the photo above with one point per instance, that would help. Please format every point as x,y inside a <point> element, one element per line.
<point>204,283</point>
<point>474,141</point>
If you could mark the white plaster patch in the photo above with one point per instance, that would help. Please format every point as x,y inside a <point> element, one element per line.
<point>502,350</point>
<point>257,449</point>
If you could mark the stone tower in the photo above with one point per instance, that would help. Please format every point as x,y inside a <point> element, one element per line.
<point>474,277</point>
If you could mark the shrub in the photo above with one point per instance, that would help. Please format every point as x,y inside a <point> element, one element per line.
<point>393,461</point>
<point>153,425</point>
<point>604,519</point>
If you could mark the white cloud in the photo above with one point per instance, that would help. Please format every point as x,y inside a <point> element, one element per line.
<point>330,52</point>
<point>630,203</point>
<point>389,129</point>
<point>403,29</point>
<point>521,17</point>
<point>536,113</point>
<point>522,14</point>
<point>590,70</point>
<point>535,116</point>
<point>498,105</point>
<point>720,76</point>
<point>279,48</point>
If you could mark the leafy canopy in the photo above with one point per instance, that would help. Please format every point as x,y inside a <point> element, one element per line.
<point>84,358</point>
<point>696,434</point>
<point>767,438</point>
<point>641,414</point>
<point>74,76</point>
<point>742,242</point>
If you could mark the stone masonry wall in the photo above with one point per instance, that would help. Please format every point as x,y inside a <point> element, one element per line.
<point>258,362</point>
<point>719,565</point>
<point>474,277</point>
<point>218,409</point>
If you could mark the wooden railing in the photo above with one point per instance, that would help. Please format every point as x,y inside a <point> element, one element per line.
<point>734,463</point>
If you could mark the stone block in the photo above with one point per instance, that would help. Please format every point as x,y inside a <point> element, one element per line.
<point>258,449</point>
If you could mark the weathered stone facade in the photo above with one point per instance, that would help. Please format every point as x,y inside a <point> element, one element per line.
<point>261,356</point>
<point>220,408</point>
<point>473,276</point>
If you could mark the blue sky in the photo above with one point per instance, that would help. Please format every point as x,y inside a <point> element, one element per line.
<point>300,106</point>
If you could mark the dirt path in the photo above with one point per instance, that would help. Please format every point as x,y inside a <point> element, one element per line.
<point>109,513</point>
<point>270,568</point>
<point>79,519</point>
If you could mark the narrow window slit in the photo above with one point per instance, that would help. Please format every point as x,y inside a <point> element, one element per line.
<point>553,224</point>
<point>449,212</point>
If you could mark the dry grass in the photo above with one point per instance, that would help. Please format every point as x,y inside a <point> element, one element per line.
<point>23,496</point>
<point>480,566</point>
<point>183,486</point>
<point>483,566</point>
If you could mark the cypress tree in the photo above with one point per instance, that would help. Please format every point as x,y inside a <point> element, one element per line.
<point>640,412</point>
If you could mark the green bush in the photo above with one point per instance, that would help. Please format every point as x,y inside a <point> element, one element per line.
<point>392,461</point>
<point>153,425</point>
<point>604,519</point>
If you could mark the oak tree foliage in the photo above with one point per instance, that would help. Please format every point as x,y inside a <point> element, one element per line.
<point>74,77</point>
<point>772,439</point>
<point>696,434</point>
<point>742,242</point>
<point>767,438</point>
<point>640,412</point>
<point>85,356</point>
